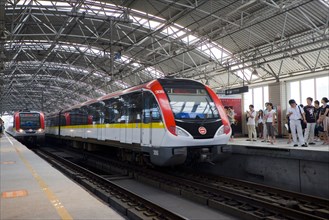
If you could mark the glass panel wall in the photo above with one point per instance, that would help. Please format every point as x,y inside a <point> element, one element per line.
<point>307,90</point>
<point>256,96</point>
<point>294,91</point>
<point>317,88</point>
<point>322,87</point>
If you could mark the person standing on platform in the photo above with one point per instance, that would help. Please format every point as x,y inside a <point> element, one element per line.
<point>324,119</point>
<point>260,123</point>
<point>230,114</point>
<point>251,124</point>
<point>1,122</point>
<point>264,123</point>
<point>317,114</point>
<point>309,110</point>
<point>270,122</point>
<point>2,126</point>
<point>296,114</point>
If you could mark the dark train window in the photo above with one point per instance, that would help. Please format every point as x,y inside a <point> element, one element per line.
<point>29,120</point>
<point>62,121</point>
<point>96,112</point>
<point>135,107</point>
<point>123,111</point>
<point>78,117</point>
<point>52,121</point>
<point>112,110</point>
<point>151,111</point>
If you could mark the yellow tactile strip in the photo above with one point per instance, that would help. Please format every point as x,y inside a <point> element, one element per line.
<point>61,210</point>
<point>14,194</point>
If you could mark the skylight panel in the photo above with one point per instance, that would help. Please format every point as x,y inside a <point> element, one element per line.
<point>154,72</point>
<point>122,84</point>
<point>189,39</point>
<point>149,21</point>
<point>325,2</point>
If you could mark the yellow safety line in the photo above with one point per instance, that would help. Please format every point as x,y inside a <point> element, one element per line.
<point>61,210</point>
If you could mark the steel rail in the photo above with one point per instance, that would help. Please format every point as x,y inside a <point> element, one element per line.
<point>240,198</point>
<point>148,209</point>
<point>230,190</point>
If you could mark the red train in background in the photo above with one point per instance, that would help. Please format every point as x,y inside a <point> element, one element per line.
<point>27,126</point>
<point>165,121</point>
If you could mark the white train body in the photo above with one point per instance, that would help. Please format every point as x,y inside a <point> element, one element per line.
<point>165,119</point>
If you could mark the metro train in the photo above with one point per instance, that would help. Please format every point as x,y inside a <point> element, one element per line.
<point>27,126</point>
<point>166,122</point>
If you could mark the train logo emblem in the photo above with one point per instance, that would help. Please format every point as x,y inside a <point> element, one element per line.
<point>202,130</point>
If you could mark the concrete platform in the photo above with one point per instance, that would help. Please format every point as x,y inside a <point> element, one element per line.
<point>280,148</point>
<point>280,142</point>
<point>32,189</point>
<point>300,169</point>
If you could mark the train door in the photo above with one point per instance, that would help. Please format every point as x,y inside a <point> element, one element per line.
<point>135,112</point>
<point>146,120</point>
<point>151,118</point>
<point>124,114</point>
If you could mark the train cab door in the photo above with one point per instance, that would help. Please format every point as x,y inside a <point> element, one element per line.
<point>131,118</point>
<point>151,118</point>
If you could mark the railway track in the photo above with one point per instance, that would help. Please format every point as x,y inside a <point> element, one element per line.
<point>127,202</point>
<point>239,198</point>
<point>304,203</point>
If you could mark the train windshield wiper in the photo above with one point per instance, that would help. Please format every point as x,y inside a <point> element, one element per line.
<point>205,113</point>
<point>210,106</point>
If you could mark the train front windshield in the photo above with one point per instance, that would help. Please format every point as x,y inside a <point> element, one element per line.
<point>191,104</point>
<point>29,120</point>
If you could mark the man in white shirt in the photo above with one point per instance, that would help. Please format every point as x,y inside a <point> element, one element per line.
<point>251,124</point>
<point>296,115</point>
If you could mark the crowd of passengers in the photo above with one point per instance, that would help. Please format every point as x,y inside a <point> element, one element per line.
<point>304,123</point>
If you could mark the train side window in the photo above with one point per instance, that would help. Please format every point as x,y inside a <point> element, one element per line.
<point>151,110</point>
<point>96,111</point>
<point>135,107</point>
<point>124,110</point>
<point>78,117</point>
<point>63,121</point>
<point>112,110</point>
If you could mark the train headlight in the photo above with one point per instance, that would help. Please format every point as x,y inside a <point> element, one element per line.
<point>40,130</point>
<point>181,132</point>
<point>20,130</point>
<point>224,129</point>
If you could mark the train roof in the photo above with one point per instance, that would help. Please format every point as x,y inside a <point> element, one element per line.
<point>26,111</point>
<point>165,82</point>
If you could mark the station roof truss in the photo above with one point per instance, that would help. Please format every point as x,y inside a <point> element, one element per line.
<point>55,54</point>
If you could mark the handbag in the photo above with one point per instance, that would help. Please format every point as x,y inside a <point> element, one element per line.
<point>304,125</point>
<point>319,127</point>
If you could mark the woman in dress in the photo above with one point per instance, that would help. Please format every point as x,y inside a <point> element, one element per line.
<point>260,123</point>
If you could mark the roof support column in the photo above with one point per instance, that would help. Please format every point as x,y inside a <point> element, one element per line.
<point>111,50</point>
<point>2,46</point>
